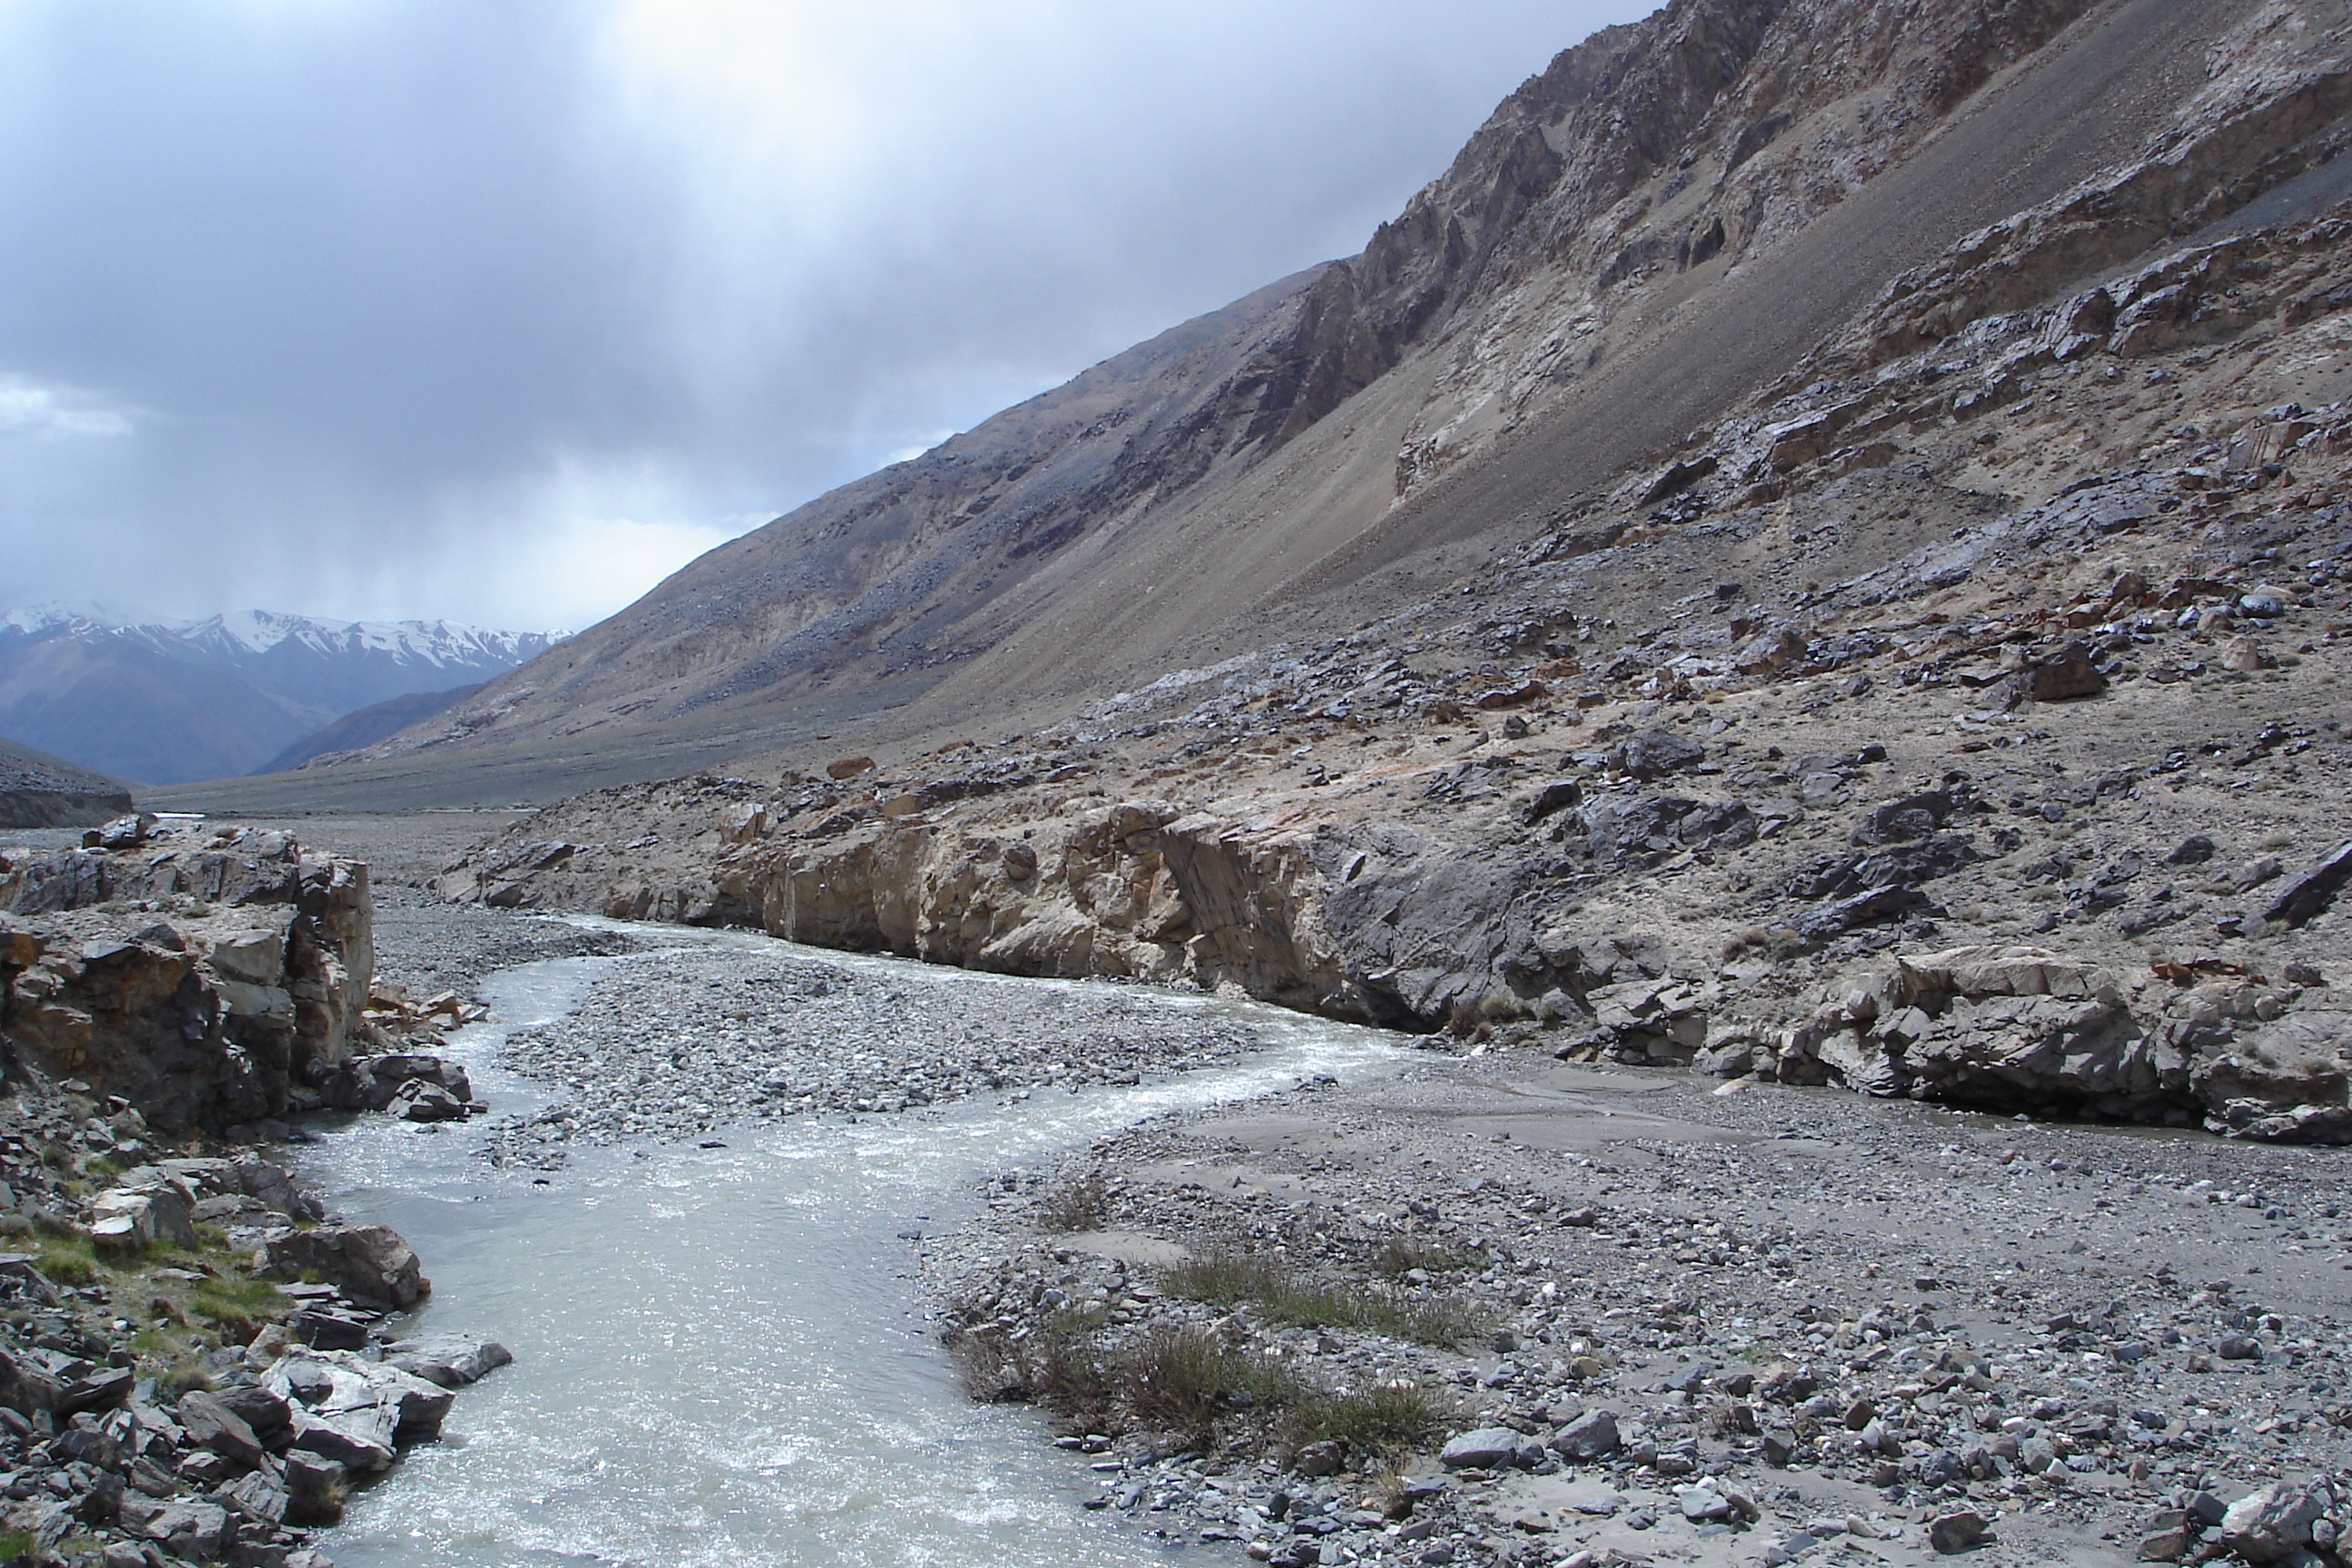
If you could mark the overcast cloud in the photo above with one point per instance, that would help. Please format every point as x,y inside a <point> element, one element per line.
<point>502,312</point>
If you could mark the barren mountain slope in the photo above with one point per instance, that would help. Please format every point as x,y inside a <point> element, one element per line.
<point>1662,225</point>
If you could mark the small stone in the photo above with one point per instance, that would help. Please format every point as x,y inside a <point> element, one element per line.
<point>1487,1448</point>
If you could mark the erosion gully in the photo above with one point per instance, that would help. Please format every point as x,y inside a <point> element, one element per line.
<point>719,1358</point>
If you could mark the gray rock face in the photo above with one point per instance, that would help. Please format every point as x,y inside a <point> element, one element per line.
<point>2023,1028</point>
<point>368,1262</point>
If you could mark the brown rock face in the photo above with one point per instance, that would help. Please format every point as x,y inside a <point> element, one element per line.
<point>247,980</point>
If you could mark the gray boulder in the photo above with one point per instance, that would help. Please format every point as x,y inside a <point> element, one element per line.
<point>368,1262</point>
<point>1591,1435</point>
<point>448,1361</point>
<point>213,1424</point>
<point>2274,1522</point>
<point>1487,1448</point>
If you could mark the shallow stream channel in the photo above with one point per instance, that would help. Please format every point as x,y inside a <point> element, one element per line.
<point>718,1357</point>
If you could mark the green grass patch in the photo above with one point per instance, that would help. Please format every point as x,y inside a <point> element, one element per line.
<point>68,1262</point>
<point>1385,1422</point>
<point>1397,1310</point>
<point>15,1544</point>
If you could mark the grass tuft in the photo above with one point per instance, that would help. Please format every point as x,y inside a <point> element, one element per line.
<point>1234,1280</point>
<point>1080,1203</point>
<point>1385,1422</point>
<point>68,1262</point>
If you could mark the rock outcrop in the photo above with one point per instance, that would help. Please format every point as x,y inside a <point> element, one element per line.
<point>208,978</point>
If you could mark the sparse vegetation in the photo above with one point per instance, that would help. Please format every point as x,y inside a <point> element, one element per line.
<point>1078,1203</point>
<point>1386,1421</point>
<point>68,1262</point>
<point>1401,1254</point>
<point>1398,1311</point>
<point>1188,1381</point>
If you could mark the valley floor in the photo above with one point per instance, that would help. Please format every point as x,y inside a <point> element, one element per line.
<point>1819,1323</point>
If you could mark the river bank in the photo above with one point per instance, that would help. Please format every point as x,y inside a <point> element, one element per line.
<point>1693,1326</point>
<point>1817,1323</point>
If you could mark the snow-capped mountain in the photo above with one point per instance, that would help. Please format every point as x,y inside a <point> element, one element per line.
<point>165,702</point>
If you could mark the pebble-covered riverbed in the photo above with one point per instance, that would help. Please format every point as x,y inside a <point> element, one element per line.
<point>686,1041</point>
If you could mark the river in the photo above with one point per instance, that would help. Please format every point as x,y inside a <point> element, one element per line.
<point>716,1358</point>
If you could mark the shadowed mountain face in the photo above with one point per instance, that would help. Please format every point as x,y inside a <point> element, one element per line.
<point>37,790</point>
<point>1643,241</point>
<point>165,703</point>
<point>366,726</point>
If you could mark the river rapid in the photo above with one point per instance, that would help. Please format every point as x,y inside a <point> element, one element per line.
<point>718,1358</point>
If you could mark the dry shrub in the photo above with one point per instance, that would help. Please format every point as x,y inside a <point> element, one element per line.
<point>1079,1203</point>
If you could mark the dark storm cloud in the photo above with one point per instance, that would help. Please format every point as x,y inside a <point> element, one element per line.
<point>500,311</point>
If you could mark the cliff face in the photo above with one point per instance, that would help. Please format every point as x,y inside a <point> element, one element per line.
<point>1672,218</point>
<point>240,971</point>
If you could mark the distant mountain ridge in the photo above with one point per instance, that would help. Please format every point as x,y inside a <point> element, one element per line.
<point>167,701</point>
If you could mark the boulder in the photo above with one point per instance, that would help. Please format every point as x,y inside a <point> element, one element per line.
<point>1957,1530</point>
<point>1591,1435</point>
<point>420,1099</point>
<point>259,1499</point>
<point>1487,1448</point>
<point>314,1488</point>
<point>2314,891</point>
<point>2057,674</point>
<point>268,1413</point>
<point>449,1361</point>
<point>364,1261</point>
<point>1653,753</point>
<point>213,1424</point>
<point>2274,1522</point>
<point>126,1217</point>
<point>194,1530</point>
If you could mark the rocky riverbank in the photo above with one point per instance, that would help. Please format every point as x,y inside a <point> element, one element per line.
<point>1507,1307</point>
<point>196,1359</point>
<point>1506,1310</point>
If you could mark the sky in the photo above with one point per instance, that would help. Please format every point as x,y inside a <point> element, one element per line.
<point>502,312</point>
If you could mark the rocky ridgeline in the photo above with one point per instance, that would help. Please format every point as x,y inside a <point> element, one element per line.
<point>39,791</point>
<point>1712,1336</point>
<point>195,1363</point>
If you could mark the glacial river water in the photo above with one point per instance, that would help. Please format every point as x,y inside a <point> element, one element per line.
<point>716,1358</point>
